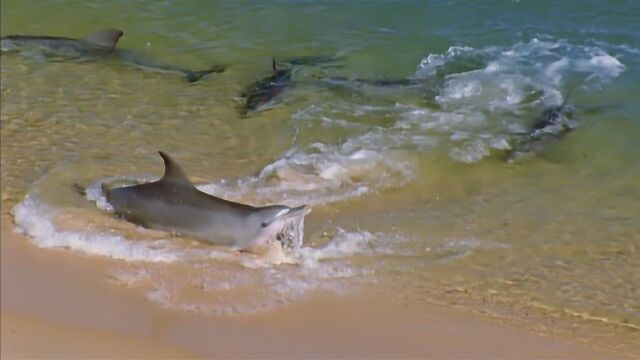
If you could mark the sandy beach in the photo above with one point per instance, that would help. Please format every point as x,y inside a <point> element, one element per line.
<point>56,304</point>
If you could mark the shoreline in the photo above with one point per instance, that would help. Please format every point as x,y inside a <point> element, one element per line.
<point>26,336</point>
<point>107,320</point>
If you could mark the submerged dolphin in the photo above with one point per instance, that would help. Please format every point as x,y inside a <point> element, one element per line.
<point>96,46</point>
<point>174,204</point>
<point>264,91</point>
<point>341,80</point>
<point>425,89</point>
<point>311,60</point>
<point>548,128</point>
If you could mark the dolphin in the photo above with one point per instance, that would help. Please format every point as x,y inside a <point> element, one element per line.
<point>401,82</point>
<point>311,60</point>
<point>95,45</point>
<point>174,204</point>
<point>424,90</point>
<point>100,45</point>
<point>549,127</point>
<point>261,93</point>
<point>264,91</point>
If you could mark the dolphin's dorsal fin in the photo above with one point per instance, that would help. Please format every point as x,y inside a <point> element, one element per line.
<point>172,171</point>
<point>107,38</point>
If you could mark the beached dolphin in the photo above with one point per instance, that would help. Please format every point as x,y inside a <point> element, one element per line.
<point>264,91</point>
<point>548,128</point>
<point>100,45</point>
<point>174,204</point>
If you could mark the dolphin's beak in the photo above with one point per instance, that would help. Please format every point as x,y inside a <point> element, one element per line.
<point>298,211</point>
<point>290,228</point>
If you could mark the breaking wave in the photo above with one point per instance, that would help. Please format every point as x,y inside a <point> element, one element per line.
<point>482,97</point>
<point>171,269</point>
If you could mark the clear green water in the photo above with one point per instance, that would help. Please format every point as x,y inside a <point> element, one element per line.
<point>412,199</point>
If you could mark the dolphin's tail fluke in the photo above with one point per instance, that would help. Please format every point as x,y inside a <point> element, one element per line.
<point>193,76</point>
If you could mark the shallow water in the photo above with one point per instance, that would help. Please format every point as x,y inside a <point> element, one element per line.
<point>410,192</point>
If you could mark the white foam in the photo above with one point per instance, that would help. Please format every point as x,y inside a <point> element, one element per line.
<point>460,88</point>
<point>540,63</point>
<point>554,70</point>
<point>344,244</point>
<point>470,153</point>
<point>321,174</point>
<point>324,269</point>
<point>36,220</point>
<point>232,300</point>
<point>247,290</point>
<point>414,129</point>
<point>223,276</point>
<point>601,67</point>
<point>430,64</point>
<point>483,87</point>
<point>129,277</point>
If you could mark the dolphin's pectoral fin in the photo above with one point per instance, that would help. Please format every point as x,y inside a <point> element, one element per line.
<point>172,171</point>
<point>104,39</point>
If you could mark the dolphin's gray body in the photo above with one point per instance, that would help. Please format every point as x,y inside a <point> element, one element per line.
<point>174,204</point>
<point>265,91</point>
<point>553,124</point>
<point>258,95</point>
<point>403,82</point>
<point>425,89</point>
<point>324,60</point>
<point>96,46</point>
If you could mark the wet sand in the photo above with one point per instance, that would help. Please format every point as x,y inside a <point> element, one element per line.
<point>25,336</point>
<point>59,304</point>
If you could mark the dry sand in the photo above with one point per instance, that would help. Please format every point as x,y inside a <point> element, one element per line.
<point>58,304</point>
